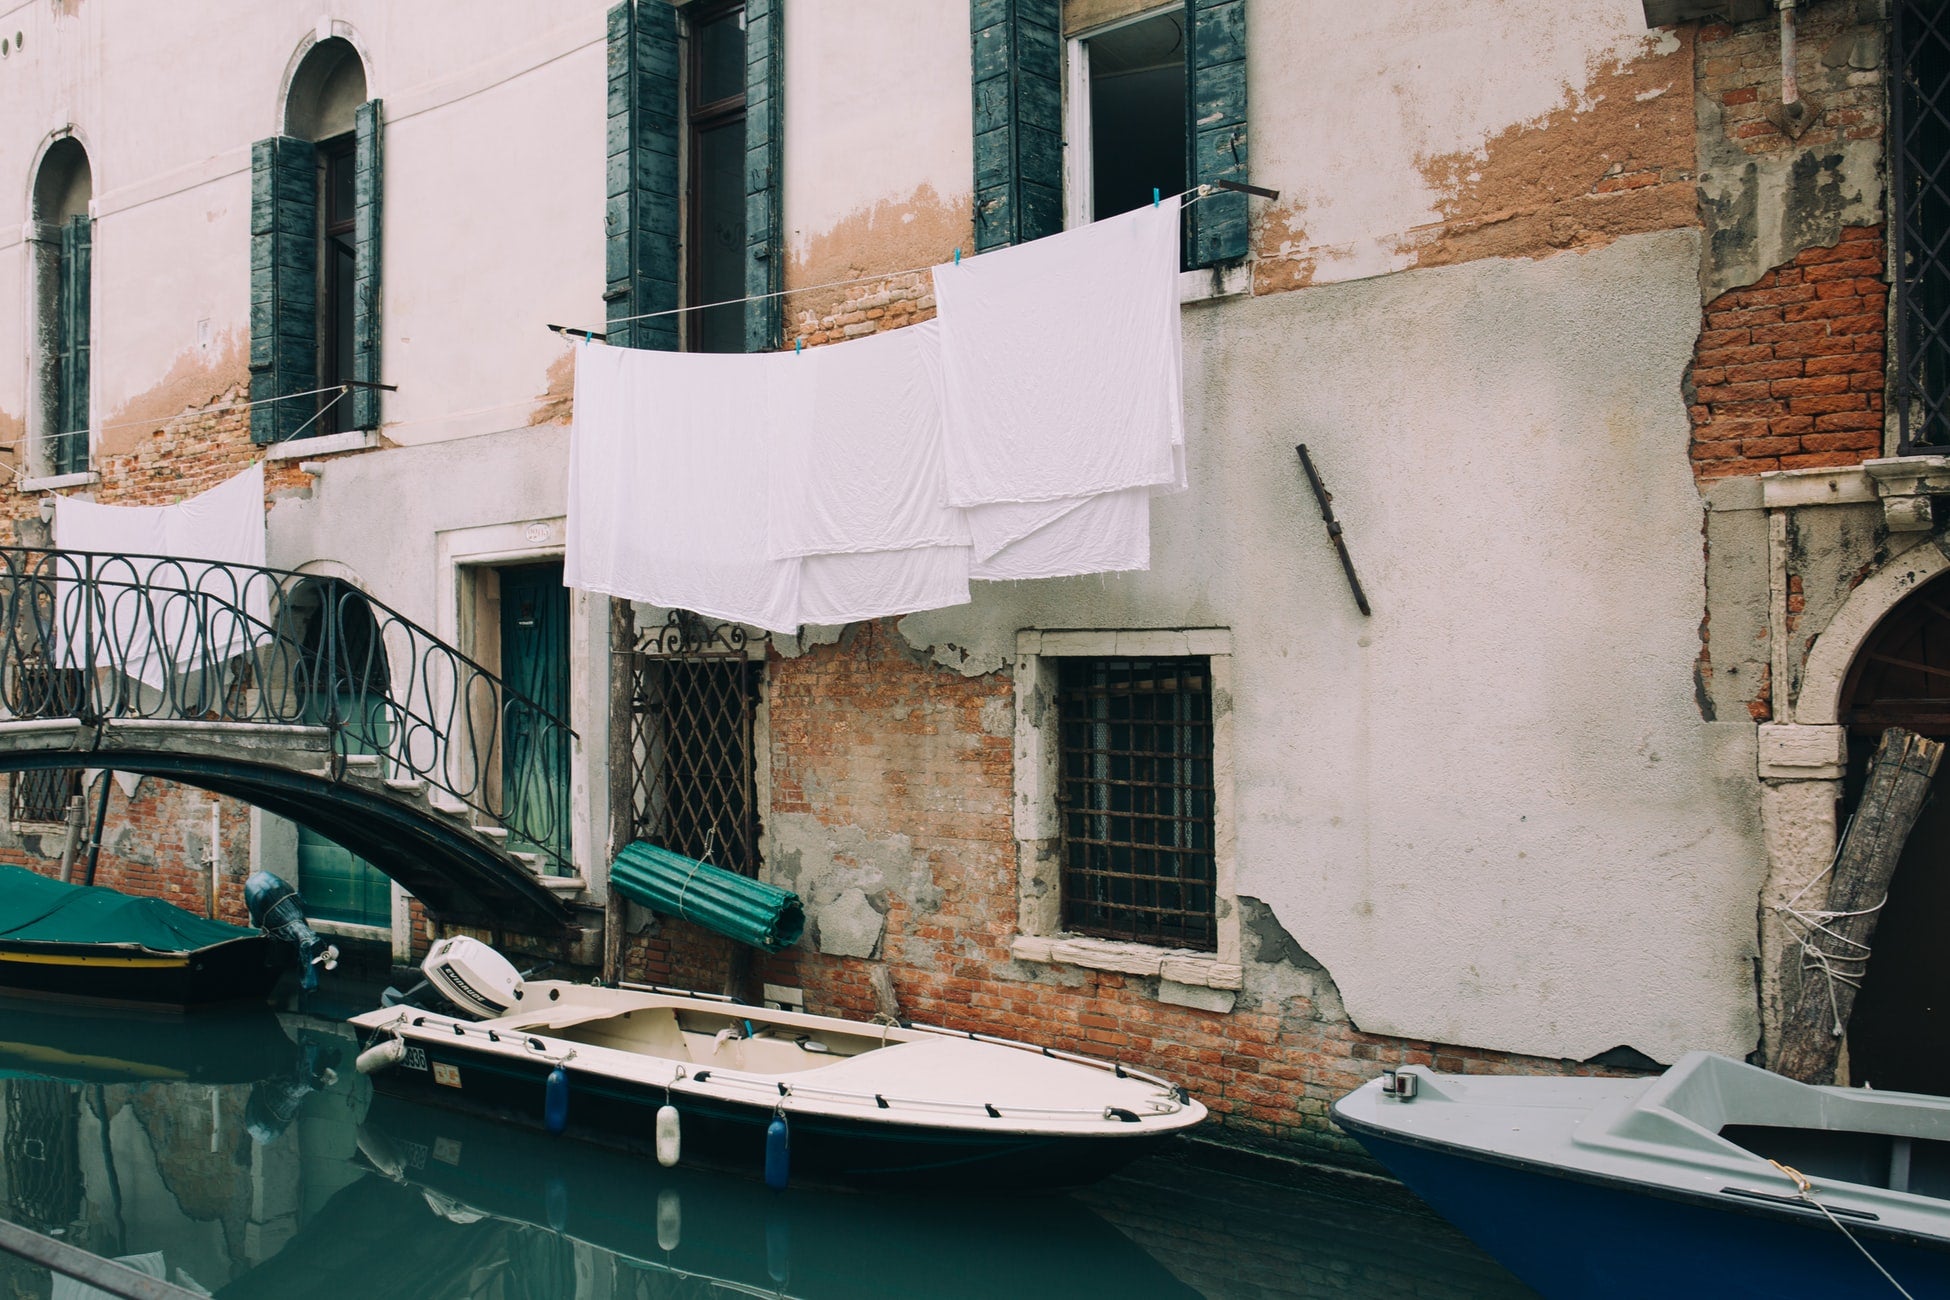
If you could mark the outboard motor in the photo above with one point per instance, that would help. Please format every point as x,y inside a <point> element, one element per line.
<point>276,909</point>
<point>273,1103</point>
<point>472,976</point>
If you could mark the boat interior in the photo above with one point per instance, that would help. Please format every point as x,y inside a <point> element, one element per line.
<point>1888,1140</point>
<point>715,1036</point>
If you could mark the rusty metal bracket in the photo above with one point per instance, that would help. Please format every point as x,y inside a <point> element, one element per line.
<point>1326,500</point>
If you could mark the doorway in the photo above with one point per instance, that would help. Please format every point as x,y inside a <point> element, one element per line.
<point>1899,1032</point>
<point>534,642</point>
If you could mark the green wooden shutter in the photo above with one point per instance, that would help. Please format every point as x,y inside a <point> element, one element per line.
<point>284,284</point>
<point>764,144</point>
<point>70,451</point>
<point>367,174</point>
<point>640,252</point>
<point>1215,99</point>
<point>1018,120</point>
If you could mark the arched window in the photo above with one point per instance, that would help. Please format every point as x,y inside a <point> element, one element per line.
<point>315,254</point>
<point>63,241</point>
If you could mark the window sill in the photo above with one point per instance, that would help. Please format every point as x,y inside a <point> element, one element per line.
<point>55,482</point>
<point>1179,965</point>
<point>1211,283</point>
<point>324,445</point>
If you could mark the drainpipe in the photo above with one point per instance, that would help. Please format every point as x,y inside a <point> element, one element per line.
<point>1790,87</point>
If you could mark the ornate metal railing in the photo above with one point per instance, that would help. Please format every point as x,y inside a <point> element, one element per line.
<point>102,637</point>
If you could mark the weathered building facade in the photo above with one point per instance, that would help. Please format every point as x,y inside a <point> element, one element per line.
<point>1592,340</point>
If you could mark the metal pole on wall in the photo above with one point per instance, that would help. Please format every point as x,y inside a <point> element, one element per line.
<point>95,840</point>
<point>622,812</point>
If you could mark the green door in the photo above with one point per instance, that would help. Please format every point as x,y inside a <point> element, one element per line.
<point>337,884</point>
<point>535,751</point>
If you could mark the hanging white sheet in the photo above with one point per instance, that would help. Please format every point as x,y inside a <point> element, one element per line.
<point>668,483</point>
<point>162,601</point>
<point>1061,368</point>
<point>1110,533</point>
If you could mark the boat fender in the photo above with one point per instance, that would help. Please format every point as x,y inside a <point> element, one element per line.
<point>778,1153</point>
<point>778,1249</point>
<point>670,1220</point>
<point>555,1200</point>
<point>669,1140</point>
<point>555,1101</point>
<point>381,1056</point>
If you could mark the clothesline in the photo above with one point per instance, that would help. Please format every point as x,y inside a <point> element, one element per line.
<point>1196,193</point>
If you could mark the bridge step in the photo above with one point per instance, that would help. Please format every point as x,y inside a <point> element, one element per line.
<point>564,885</point>
<point>499,834</point>
<point>442,802</point>
<point>405,784</point>
<point>363,764</point>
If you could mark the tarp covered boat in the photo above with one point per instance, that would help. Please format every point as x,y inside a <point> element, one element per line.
<point>1714,1179</point>
<point>86,941</point>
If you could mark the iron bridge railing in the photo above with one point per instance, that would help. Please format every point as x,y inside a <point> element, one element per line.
<point>102,637</point>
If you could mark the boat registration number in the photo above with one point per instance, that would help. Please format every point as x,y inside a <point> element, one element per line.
<point>416,1058</point>
<point>447,1076</point>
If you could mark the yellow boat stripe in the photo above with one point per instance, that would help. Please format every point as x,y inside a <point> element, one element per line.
<point>95,959</point>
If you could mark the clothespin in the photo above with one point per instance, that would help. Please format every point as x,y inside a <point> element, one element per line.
<point>1154,196</point>
<point>799,344</point>
<point>585,337</point>
<point>957,257</point>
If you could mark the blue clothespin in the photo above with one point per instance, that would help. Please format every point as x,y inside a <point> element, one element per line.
<point>588,337</point>
<point>957,257</point>
<point>1154,196</point>
<point>799,344</point>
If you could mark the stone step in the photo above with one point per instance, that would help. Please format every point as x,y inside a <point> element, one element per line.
<point>499,834</point>
<point>363,764</point>
<point>564,885</point>
<point>442,802</point>
<point>405,784</point>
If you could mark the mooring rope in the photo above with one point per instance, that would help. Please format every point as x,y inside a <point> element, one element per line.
<point>1805,1190</point>
<point>1804,925</point>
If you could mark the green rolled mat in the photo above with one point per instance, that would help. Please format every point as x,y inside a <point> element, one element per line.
<point>749,911</point>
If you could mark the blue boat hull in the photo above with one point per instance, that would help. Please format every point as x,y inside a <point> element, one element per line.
<point>1596,1240</point>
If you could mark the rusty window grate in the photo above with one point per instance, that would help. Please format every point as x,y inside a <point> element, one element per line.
<point>42,795</point>
<point>1920,158</point>
<point>692,779</point>
<point>1135,799</point>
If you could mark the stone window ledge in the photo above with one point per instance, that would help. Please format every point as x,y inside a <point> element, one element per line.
<point>1179,965</point>
<point>323,445</point>
<point>55,482</point>
<point>1211,283</point>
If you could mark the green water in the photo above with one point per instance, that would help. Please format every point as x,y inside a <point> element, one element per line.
<point>243,1156</point>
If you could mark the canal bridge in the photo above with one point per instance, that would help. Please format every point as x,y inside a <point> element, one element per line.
<point>303,696</point>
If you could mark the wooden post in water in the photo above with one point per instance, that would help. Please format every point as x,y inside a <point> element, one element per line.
<point>622,814</point>
<point>1828,964</point>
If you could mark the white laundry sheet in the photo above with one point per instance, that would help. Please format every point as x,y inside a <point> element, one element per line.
<point>857,466</point>
<point>1062,374</point>
<point>1110,533</point>
<point>668,478</point>
<point>160,606</point>
<point>681,471</point>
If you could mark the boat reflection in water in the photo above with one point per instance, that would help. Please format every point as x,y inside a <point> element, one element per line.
<point>549,1218</point>
<point>242,1155</point>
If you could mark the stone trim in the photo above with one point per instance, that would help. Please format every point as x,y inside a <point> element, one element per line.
<point>323,445</point>
<point>1039,914</point>
<point>1803,753</point>
<point>1829,657</point>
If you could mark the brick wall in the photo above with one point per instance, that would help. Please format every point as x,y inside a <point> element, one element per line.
<point>832,315</point>
<point>1788,373</point>
<point>868,739</point>
<point>1739,69</point>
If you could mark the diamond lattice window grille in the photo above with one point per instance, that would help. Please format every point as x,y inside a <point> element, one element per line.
<point>1920,157</point>
<point>692,774</point>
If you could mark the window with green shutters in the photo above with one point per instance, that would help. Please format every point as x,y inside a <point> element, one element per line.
<point>1191,115</point>
<point>315,281</point>
<point>714,234</point>
<point>68,439</point>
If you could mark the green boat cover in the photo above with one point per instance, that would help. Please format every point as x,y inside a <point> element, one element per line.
<point>37,909</point>
<point>749,911</point>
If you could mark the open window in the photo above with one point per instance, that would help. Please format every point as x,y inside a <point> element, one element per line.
<point>1126,137</point>
<point>63,253</point>
<point>315,209</point>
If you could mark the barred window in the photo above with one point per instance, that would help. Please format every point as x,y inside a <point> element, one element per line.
<point>42,795</point>
<point>1921,157</point>
<point>693,774</point>
<point>1135,799</point>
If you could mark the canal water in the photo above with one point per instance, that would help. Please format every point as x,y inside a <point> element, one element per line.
<point>243,1156</point>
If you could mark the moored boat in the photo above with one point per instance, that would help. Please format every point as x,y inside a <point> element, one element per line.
<point>1715,1178</point>
<point>86,941</point>
<point>815,1098</point>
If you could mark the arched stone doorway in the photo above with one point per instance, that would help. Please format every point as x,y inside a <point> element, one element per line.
<point>1899,1033</point>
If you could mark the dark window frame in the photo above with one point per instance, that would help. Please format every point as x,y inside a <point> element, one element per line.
<point>1147,802</point>
<point>700,118</point>
<point>337,161</point>
<point>1183,130</point>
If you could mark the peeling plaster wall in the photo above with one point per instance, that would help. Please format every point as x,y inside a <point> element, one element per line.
<point>1492,812</point>
<point>1401,102</point>
<point>494,142</point>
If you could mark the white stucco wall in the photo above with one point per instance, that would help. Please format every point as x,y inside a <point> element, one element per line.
<point>1491,810</point>
<point>493,202</point>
